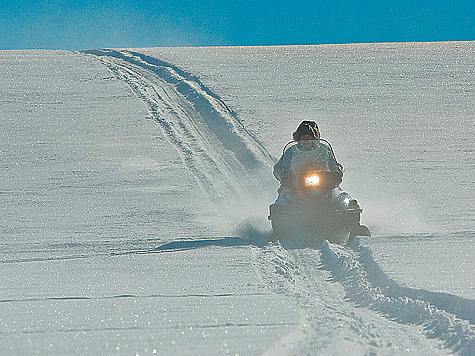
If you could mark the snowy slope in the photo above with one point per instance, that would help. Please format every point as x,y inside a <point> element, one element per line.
<point>126,171</point>
<point>400,117</point>
<point>90,188</point>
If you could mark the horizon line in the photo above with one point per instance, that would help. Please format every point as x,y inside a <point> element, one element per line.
<point>250,46</point>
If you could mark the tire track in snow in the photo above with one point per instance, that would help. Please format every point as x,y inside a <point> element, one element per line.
<point>214,145</point>
<point>336,286</point>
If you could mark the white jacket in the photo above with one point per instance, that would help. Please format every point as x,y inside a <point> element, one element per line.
<point>296,159</point>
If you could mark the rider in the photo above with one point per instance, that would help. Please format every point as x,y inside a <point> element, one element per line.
<point>309,152</point>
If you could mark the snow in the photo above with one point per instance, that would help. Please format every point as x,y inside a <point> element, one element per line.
<point>135,187</point>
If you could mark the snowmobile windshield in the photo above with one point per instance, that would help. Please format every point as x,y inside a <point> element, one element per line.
<point>309,145</point>
<point>305,155</point>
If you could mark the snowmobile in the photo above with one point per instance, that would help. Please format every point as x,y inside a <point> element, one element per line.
<point>319,206</point>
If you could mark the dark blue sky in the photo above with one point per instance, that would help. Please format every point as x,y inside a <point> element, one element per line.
<point>84,24</point>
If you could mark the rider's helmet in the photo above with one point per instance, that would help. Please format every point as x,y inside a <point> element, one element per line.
<point>306,128</point>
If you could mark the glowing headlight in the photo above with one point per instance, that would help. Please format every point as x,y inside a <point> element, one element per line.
<point>312,180</point>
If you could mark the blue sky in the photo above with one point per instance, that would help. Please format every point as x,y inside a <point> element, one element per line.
<point>85,24</point>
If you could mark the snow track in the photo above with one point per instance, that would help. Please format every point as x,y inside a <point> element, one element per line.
<point>212,142</point>
<point>334,285</point>
<point>441,315</point>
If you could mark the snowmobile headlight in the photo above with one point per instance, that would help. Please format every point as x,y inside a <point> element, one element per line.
<point>312,180</point>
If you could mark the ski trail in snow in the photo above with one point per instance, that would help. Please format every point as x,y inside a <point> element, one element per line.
<point>215,147</point>
<point>334,285</point>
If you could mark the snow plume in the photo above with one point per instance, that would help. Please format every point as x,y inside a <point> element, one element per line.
<point>385,214</point>
<point>386,209</point>
<point>253,230</point>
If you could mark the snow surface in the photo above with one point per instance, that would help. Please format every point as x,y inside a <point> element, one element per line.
<point>135,187</point>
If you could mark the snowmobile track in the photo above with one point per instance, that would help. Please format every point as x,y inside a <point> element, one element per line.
<point>213,143</point>
<point>318,278</point>
<point>215,147</point>
<point>443,316</point>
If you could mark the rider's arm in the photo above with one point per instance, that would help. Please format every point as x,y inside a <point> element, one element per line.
<point>281,168</point>
<point>333,165</point>
<point>336,169</point>
<point>278,169</point>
